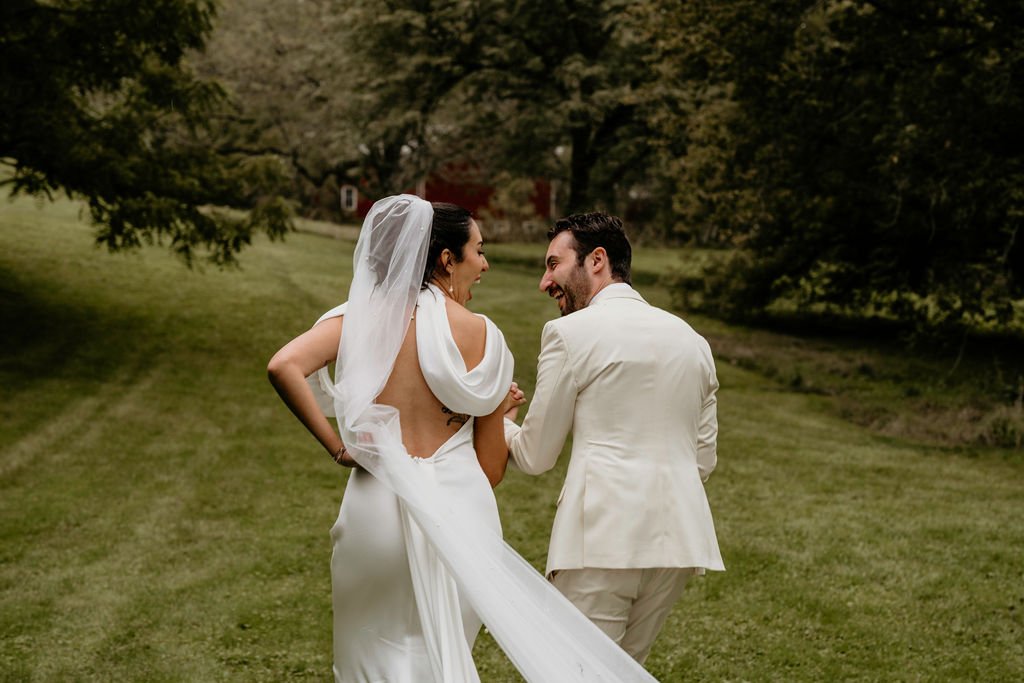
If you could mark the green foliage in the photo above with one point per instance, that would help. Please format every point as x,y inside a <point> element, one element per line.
<point>556,90</point>
<point>291,87</point>
<point>863,155</point>
<point>101,103</point>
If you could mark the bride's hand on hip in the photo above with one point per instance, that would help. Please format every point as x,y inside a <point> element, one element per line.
<point>345,459</point>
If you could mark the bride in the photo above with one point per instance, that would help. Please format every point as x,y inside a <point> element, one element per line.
<point>420,390</point>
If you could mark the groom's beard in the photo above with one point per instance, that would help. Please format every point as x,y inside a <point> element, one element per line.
<point>575,293</point>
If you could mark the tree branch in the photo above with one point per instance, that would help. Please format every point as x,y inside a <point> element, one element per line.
<point>917,19</point>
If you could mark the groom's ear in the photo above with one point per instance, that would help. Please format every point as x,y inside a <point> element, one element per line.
<point>599,259</point>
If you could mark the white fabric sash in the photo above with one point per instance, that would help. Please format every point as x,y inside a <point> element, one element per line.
<point>478,391</point>
<point>475,392</point>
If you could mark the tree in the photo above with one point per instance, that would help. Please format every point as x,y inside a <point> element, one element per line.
<point>555,89</point>
<point>306,96</point>
<point>99,101</point>
<point>861,153</point>
<point>289,84</point>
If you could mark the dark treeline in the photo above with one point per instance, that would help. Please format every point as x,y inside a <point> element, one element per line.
<point>847,156</point>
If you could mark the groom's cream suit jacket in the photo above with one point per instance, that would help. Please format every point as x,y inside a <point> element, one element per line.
<point>636,385</point>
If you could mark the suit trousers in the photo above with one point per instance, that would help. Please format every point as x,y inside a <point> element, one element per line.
<point>629,605</point>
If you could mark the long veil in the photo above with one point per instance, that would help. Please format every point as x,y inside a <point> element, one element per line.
<point>543,634</point>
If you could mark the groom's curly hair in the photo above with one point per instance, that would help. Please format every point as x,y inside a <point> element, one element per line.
<point>597,229</point>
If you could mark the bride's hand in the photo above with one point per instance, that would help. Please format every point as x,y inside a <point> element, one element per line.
<point>343,458</point>
<point>513,400</point>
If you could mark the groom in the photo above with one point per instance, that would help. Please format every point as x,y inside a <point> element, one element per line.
<point>636,386</point>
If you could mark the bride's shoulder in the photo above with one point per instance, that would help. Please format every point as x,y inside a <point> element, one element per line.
<point>469,332</point>
<point>464,321</point>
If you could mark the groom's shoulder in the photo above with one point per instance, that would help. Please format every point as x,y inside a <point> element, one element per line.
<point>582,327</point>
<point>566,328</point>
<point>677,326</point>
<point>640,317</point>
<point>669,318</point>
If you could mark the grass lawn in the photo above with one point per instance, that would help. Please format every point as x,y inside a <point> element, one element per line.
<point>163,517</point>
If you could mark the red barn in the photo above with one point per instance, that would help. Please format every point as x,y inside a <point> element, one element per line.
<point>455,188</point>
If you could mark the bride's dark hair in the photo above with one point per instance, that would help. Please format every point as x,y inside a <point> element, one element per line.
<point>449,230</point>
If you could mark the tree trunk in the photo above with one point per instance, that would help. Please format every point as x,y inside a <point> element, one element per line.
<point>579,172</point>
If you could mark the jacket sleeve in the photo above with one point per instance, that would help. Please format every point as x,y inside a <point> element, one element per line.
<point>535,447</point>
<point>707,427</point>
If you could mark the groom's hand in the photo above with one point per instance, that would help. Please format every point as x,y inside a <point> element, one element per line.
<point>513,400</point>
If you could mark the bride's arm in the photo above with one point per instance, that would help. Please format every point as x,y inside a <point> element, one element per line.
<point>489,442</point>
<point>288,370</point>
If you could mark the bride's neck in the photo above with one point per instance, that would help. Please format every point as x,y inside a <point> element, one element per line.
<point>445,286</point>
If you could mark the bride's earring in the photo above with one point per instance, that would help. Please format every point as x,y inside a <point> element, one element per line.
<point>451,283</point>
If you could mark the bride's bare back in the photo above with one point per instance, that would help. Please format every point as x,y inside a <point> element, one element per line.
<point>426,422</point>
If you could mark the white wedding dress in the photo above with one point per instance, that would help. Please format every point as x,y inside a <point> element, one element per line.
<point>378,631</point>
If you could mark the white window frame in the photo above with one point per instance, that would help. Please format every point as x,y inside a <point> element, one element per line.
<point>349,196</point>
